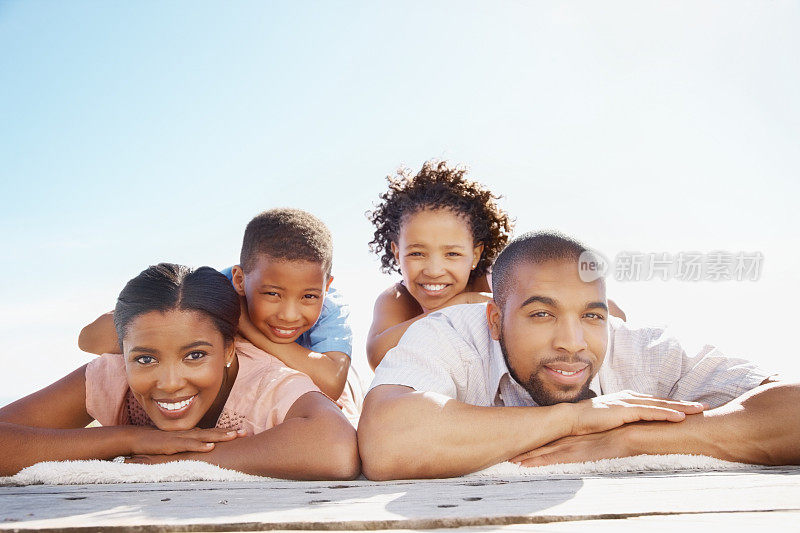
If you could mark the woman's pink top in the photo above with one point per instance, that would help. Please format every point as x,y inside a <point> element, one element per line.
<point>263,392</point>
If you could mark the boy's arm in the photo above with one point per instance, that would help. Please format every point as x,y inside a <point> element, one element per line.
<point>100,336</point>
<point>761,426</point>
<point>327,370</point>
<point>315,441</point>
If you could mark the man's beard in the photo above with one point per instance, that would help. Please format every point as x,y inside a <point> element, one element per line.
<point>541,393</point>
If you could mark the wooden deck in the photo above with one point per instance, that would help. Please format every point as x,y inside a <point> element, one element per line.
<point>755,498</point>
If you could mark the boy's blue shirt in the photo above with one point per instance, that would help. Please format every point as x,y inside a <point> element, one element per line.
<point>331,332</point>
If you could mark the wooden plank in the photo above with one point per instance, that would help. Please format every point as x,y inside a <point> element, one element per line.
<point>363,504</point>
<point>685,523</point>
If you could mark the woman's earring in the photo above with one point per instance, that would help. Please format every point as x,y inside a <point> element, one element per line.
<point>228,364</point>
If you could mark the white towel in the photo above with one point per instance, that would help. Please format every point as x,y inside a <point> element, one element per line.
<point>88,472</point>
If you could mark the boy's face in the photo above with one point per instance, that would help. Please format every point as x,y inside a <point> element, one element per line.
<point>284,297</point>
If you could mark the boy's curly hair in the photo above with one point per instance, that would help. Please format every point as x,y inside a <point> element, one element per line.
<point>438,186</point>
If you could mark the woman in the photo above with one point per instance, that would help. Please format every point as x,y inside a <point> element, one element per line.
<point>183,389</point>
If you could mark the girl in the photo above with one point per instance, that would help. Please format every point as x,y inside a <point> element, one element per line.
<point>182,389</point>
<point>442,233</point>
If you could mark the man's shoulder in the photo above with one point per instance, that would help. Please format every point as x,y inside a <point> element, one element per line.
<point>463,315</point>
<point>462,323</point>
<point>635,337</point>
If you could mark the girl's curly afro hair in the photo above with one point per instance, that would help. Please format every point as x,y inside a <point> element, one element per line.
<point>438,186</point>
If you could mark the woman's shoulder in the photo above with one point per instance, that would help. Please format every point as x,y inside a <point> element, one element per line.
<point>107,389</point>
<point>265,389</point>
<point>107,369</point>
<point>260,368</point>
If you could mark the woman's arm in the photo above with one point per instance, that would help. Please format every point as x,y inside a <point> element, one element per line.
<point>49,425</point>
<point>100,336</point>
<point>315,441</point>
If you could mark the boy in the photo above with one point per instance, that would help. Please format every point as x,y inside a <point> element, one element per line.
<point>283,280</point>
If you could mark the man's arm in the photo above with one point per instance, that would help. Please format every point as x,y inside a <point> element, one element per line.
<point>100,336</point>
<point>315,441</point>
<point>408,434</point>
<point>761,426</point>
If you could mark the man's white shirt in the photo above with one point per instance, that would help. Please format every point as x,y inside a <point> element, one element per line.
<point>451,352</point>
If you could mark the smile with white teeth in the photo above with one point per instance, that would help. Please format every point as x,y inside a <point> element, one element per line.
<point>433,287</point>
<point>567,372</point>
<point>285,331</point>
<point>177,406</point>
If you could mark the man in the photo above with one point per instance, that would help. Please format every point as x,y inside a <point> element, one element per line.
<point>540,375</point>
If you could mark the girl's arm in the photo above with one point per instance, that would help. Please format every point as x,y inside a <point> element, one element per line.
<point>100,336</point>
<point>315,441</point>
<point>395,310</point>
<point>49,425</point>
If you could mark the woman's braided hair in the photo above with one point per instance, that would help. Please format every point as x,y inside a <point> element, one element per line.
<point>438,186</point>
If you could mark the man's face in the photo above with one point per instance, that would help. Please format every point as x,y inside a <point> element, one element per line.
<point>553,330</point>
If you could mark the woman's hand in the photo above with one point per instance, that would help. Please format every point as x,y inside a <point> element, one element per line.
<point>151,441</point>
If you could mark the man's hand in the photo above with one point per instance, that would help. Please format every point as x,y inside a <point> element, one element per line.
<point>613,410</point>
<point>579,448</point>
<point>150,441</point>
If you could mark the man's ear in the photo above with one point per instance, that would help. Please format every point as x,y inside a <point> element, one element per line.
<point>395,252</point>
<point>494,318</point>
<point>238,279</point>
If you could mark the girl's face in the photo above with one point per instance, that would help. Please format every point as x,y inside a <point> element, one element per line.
<point>175,363</point>
<point>436,254</point>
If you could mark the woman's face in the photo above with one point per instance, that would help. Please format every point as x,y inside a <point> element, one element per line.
<point>436,254</point>
<point>175,363</point>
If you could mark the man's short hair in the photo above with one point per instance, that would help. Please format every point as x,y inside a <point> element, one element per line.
<point>532,247</point>
<point>287,234</point>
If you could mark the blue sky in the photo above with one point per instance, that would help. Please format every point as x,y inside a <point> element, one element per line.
<point>153,131</point>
